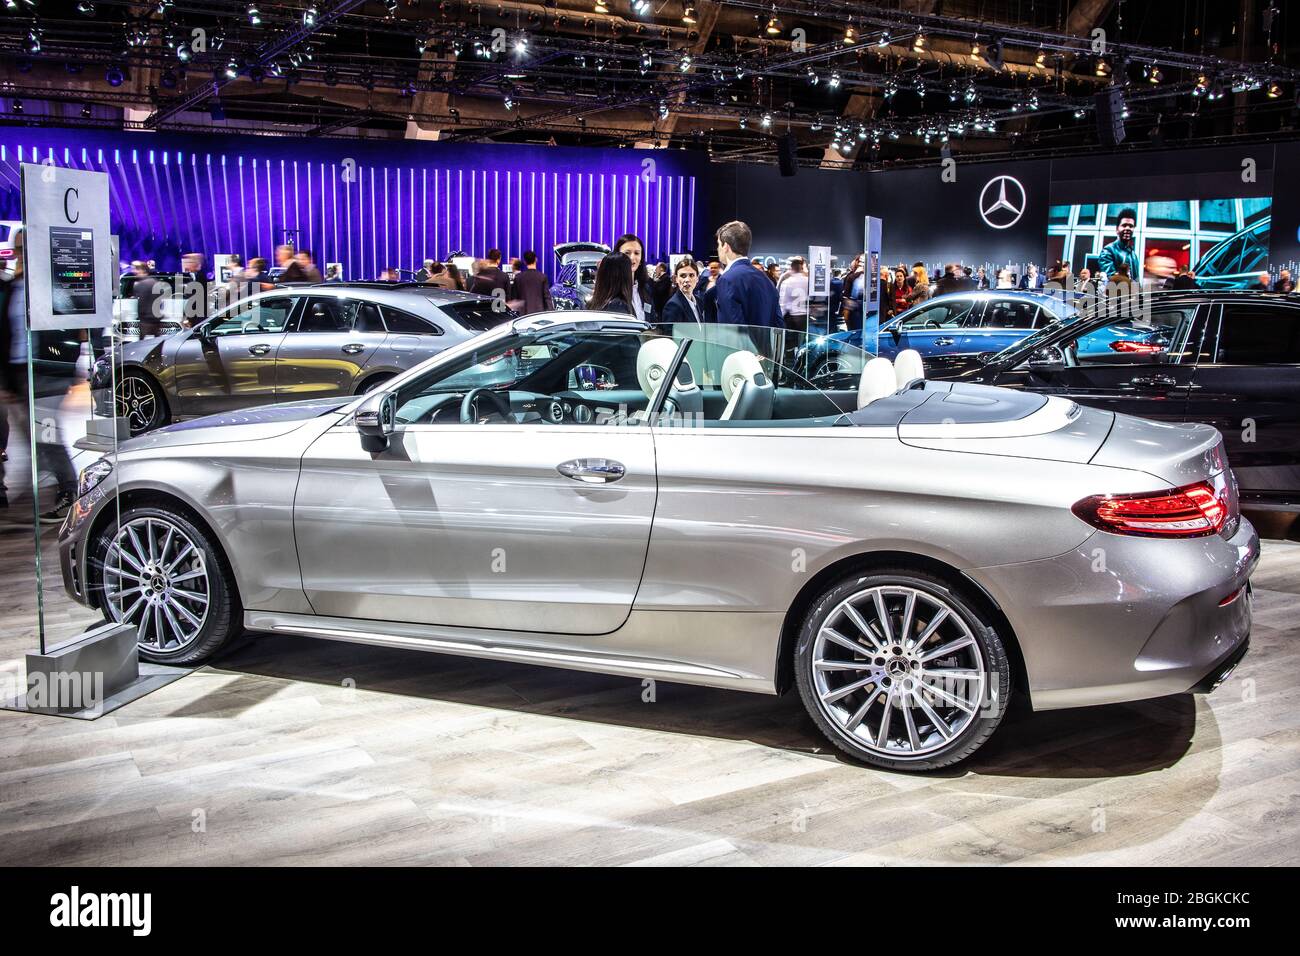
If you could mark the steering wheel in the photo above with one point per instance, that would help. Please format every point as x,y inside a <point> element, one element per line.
<point>469,404</point>
<point>932,324</point>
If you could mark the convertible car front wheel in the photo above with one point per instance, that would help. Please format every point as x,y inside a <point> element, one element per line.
<point>163,574</point>
<point>900,670</point>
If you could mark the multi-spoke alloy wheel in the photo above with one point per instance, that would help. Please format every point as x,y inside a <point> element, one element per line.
<point>901,671</point>
<point>156,579</point>
<point>138,403</point>
<point>161,574</point>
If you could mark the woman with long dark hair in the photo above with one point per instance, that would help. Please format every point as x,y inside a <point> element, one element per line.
<point>613,290</point>
<point>642,301</point>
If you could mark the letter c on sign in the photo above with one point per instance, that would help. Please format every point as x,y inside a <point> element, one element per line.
<point>68,212</point>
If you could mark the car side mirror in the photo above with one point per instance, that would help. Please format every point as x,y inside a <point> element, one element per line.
<point>1047,359</point>
<point>897,333</point>
<point>375,419</point>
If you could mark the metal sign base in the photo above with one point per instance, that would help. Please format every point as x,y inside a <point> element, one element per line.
<point>91,676</point>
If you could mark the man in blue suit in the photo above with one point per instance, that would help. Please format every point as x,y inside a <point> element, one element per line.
<point>742,294</point>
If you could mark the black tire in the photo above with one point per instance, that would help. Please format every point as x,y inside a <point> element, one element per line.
<point>223,621</point>
<point>369,384</point>
<point>991,649</point>
<point>141,402</point>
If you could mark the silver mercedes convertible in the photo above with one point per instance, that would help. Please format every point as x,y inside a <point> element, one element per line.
<point>581,490</point>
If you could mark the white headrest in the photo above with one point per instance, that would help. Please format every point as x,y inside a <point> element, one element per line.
<point>908,367</point>
<point>877,381</point>
<point>738,368</point>
<point>652,361</point>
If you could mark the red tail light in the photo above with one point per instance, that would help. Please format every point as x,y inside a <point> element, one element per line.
<point>1143,348</point>
<point>1188,512</point>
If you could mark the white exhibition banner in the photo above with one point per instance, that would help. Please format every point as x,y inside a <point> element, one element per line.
<point>819,272</point>
<point>67,248</point>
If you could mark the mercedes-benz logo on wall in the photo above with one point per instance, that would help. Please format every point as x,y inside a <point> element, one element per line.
<point>1002,202</point>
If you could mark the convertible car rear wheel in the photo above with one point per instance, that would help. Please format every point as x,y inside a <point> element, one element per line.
<point>900,670</point>
<point>160,572</point>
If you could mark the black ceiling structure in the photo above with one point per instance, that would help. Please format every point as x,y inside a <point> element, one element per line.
<point>864,85</point>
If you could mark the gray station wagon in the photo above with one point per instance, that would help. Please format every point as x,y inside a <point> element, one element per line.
<point>299,342</point>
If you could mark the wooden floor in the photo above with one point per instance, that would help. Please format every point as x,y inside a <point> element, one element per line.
<point>293,751</point>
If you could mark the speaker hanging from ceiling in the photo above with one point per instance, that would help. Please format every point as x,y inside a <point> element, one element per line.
<point>787,154</point>
<point>1110,115</point>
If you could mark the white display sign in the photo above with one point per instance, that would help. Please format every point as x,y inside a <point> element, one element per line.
<point>819,272</point>
<point>67,248</point>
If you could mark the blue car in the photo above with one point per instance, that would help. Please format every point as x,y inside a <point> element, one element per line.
<point>949,331</point>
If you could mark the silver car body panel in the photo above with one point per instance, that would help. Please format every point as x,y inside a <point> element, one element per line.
<point>463,539</point>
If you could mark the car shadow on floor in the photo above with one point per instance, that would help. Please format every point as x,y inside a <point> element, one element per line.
<point>1107,741</point>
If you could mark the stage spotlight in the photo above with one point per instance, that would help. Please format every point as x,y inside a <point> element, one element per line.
<point>688,13</point>
<point>390,7</point>
<point>167,80</point>
<point>183,53</point>
<point>232,70</point>
<point>663,109</point>
<point>1040,61</point>
<point>850,36</point>
<point>644,66</point>
<point>640,7</point>
<point>508,102</point>
<point>309,15</point>
<point>975,48</point>
<point>1202,85</point>
<point>254,14</point>
<point>85,111</point>
<point>331,77</point>
<point>773,27</point>
<point>256,74</point>
<point>18,106</point>
<point>1153,74</point>
<point>834,81</point>
<point>114,76</point>
<point>685,64</point>
<point>766,121</point>
<point>744,120</point>
<point>85,8</point>
<point>34,40</point>
<point>1274,90</point>
<point>601,7</point>
<point>813,78</point>
<point>919,43</point>
<point>1102,68</point>
<point>521,44</point>
<point>216,111</point>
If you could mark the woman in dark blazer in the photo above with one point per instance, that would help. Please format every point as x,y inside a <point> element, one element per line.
<point>683,306</point>
<point>612,291</point>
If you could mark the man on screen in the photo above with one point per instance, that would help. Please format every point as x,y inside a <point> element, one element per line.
<point>1123,251</point>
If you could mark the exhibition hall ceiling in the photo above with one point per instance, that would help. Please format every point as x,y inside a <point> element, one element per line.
<point>852,83</point>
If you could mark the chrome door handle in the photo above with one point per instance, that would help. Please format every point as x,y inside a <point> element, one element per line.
<point>1153,380</point>
<point>944,341</point>
<point>352,348</point>
<point>592,470</point>
<point>261,349</point>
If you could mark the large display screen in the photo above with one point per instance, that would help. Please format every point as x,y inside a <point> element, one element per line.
<point>1223,241</point>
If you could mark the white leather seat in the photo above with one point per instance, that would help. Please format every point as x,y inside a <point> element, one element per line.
<point>908,367</point>
<point>877,381</point>
<point>737,369</point>
<point>652,361</point>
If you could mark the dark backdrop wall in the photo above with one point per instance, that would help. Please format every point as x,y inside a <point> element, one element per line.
<point>789,214</point>
<point>368,205</point>
<point>989,214</point>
